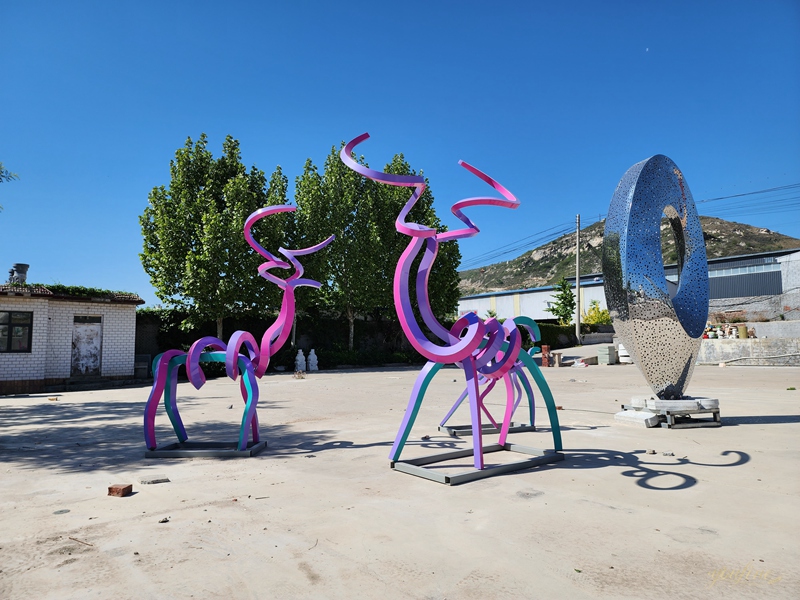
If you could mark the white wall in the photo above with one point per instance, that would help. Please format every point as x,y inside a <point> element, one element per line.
<point>119,337</point>
<point>51,344</point>
<point>530,303</point>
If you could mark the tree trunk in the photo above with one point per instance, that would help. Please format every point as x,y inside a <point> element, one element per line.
<point>351,319</point>
<point>219,328</point>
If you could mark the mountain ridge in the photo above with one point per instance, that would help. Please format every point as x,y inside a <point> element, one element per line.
<point>546,264</point>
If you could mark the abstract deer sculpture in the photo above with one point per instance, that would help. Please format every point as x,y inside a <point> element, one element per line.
<point>487,351</point>
<point>250,367</point>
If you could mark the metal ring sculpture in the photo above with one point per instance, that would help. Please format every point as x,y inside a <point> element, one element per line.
<point>486,350</point>
<point>660,324</point>
<point>251,366</point>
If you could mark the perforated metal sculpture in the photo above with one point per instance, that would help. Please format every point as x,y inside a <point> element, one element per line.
<point>250,367</point>
<point>659,323</point>
<point>485,350</point>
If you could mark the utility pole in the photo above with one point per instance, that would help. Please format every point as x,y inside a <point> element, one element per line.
<point>578,278</point>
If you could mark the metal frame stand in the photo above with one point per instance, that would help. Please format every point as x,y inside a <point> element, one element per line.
<point>466,430</point>
<point>416,466</point>
<point>205,450</point>
<point>673,420</point>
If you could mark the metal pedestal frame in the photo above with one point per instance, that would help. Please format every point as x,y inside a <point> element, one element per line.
<point>416,466</point>
<point>674,421</point>
<point>466,430</point>
<point>205,449</point>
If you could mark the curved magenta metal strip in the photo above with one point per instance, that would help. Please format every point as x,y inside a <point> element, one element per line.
<point>252,366</point>
<point>484,349</point>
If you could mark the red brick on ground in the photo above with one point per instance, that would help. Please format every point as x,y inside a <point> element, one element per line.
<point>120,489</point>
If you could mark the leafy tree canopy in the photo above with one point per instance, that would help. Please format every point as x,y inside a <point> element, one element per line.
<point>194,250</point>
<point>358,269</point>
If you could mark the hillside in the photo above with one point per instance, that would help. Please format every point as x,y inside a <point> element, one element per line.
<point>546,264</point>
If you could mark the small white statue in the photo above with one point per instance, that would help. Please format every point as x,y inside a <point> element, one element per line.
<point>312,361</point>
<point>300,362</point>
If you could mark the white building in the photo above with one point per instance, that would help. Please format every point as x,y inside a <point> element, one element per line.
<point>530,302</point>
<point>49,340</point>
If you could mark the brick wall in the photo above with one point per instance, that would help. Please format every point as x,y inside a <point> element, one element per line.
<point>51,344</point>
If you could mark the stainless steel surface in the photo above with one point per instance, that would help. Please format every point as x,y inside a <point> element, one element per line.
<point>660,325</point>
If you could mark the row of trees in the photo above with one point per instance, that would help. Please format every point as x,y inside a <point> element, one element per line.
<point>198,260</point>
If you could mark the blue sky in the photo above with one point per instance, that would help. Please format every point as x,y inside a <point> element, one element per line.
<point>554,99</point>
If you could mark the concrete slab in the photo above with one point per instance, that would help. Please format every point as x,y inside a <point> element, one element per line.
<point>320,513</point>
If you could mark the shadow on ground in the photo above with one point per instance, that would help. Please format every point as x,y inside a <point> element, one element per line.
<point>654,473</point>
<point>760,420</point>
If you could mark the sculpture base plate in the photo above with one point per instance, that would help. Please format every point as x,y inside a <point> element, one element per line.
<point>466,430</point>
<point>416,466</point>
<point>205,449</point>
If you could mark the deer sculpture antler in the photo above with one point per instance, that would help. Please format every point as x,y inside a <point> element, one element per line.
<point>212,349</point>
<point>486,350</point>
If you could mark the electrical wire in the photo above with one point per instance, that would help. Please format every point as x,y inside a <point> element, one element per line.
<point>775,200</point>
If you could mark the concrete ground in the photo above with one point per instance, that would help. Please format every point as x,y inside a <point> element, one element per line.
<point>321,515</point>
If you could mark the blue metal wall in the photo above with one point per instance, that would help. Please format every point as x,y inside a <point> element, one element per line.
<point>750,284</point>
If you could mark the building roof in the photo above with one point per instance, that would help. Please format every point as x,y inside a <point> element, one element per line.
<point>90,295</point>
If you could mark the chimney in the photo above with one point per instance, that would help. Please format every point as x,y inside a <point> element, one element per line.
<point>18,273</point>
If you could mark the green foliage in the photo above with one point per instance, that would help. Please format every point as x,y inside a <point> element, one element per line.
<point>444,279</point>
<point>357,272</point>
<point>340,203</point>
<point>78,291</point>
<point>200,264</point>
<point>194,250</point>
<point>6,175</point>
<point>563,307</point>
<point>555,336</point>
<point>380,342</point>
<point>596,315</point>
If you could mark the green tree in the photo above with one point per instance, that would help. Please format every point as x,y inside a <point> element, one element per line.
<point>563,306</point>
<point>358,270</point>
<point>194,249</point>
<point>339,202</point>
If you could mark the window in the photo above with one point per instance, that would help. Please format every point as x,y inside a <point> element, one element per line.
<point>744,270</point>
<point>15,331</point>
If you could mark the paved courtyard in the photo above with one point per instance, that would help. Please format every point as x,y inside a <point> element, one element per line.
<point>714,513</point>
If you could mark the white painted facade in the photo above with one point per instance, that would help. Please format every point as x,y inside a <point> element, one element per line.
<point>530,303</point>
<point>51,339</point>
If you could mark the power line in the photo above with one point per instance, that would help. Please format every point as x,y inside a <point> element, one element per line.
<point>780,199</point>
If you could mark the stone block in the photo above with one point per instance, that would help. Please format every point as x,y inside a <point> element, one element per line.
<point>675,405</point>
<point>152,479</point>
<point>643,418</point>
